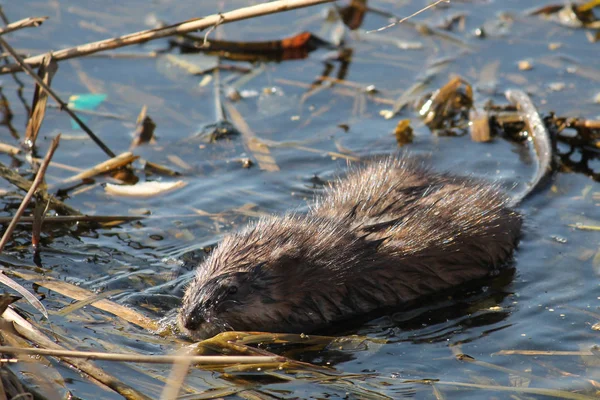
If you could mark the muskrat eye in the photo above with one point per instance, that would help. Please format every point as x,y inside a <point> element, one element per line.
<point>232,289</point>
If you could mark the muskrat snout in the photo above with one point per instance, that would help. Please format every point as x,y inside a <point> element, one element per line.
<point>215,301</point>
<point>193,320</point>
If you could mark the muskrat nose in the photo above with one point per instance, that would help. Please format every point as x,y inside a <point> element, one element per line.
<point>193,321</point>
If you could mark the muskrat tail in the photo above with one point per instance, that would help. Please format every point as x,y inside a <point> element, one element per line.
<point>542,145</point>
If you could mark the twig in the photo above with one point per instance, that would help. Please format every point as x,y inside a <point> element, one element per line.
<point>77,218</point>
<point>30,22</point>
<point>36,182</point>
<point>145,359</point>
<point>196,24</point>
<point>383,28</point>
<point>205,42</point>
<point>104,167</point>
<point>50,92</point>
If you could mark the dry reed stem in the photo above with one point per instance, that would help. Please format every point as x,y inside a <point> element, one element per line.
<point>40,99</point>
<point>30,297</point>
<point>196,24</point>
<point>8,149</point>
<point>144,359</point>
<point>36,182</point>
<point>104,167</point>
<point>71,308</point>
<point>51,93</point>
<point>28,331</point>
<point>78,293</point>
<point>30,22</point>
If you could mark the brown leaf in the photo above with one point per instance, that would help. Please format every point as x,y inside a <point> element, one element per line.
<point>40,98</point>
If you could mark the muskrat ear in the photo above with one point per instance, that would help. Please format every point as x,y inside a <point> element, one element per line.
<point>258,270</point>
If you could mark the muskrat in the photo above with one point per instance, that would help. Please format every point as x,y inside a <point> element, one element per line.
<point>389,233</point>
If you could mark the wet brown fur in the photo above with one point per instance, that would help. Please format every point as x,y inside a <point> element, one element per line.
<point>389,233</point>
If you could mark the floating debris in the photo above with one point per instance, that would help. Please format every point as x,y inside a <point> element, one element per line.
<point>572,15</point>
<point>218,131</point>
<point>403,132</point>
<point>525,65</point>
<point>144,131</point>
<point>291,48</point>
<point>143,189</point>
<point>479,126</point>
<point>448,106</point>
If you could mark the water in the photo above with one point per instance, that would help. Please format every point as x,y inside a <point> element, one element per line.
<point>550,303</point>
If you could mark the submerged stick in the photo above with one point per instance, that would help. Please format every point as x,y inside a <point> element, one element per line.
<point>24,184</point>
<point>196,24</point>
<point>51,93</point>
<point>255,145</point>
<point>561,394</point>
<point>36,182</point>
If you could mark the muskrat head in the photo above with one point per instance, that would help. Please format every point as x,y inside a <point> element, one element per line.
<point>261,278</point>
<point>217,302</point>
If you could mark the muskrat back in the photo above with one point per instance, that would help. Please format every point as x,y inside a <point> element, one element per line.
<point>387,234</point>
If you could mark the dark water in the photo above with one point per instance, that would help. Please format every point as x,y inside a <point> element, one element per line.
<point>550,303</point>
